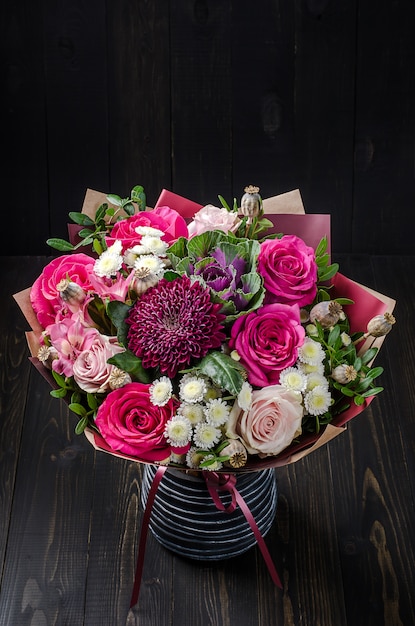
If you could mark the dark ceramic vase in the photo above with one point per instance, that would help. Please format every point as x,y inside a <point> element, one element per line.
<point>185,519</point>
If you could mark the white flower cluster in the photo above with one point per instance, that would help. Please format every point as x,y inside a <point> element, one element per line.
<point>201,417</point>
<point>307,378</point>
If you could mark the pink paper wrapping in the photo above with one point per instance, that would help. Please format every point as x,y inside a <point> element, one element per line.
<point>287,214</point>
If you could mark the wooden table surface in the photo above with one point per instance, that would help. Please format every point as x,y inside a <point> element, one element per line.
<point>343,538</point>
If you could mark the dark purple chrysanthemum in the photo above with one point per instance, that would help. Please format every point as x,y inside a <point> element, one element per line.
<point>174,323</point>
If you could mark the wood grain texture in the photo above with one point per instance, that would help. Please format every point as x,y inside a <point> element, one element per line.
<point>342,539</point>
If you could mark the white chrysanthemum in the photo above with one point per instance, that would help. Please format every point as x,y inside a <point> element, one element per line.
<point>317,401</point>
<point>149,231</point>
<point>293,379</point>
<point>206,435</point>
<point>346,339</point>
<point>178,431</point>
<point>150,262</point>
<point>195,413</point>
<point>306,368</point>
<point>315,379</point>
<point>194,457</point>
<point>192,389</point>
<point>245,396</point>
<point>109,262</point>
<point>214,464</point>
<point>155,245</point>
<point>161,391</point>
<point>311,352</point>
<point>217,412</point>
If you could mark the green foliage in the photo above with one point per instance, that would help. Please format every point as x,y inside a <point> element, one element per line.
<point>224,371</point>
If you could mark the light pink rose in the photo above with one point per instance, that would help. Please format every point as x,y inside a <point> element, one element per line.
<point>213,218</point>
<point>44,296</point>
<point>267,341</point>
<point>131,424</point>
<point>165,219</point>
<point>90,369</point>
<point>289,269</point>
<point>272,422</point>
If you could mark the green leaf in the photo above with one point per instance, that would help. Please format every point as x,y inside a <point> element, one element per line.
<point>374,373</point>
<point>224,371</point>
<point>117,312</point>
<point>78,409</point>
<point>139,197</point>
<point>359,400</point>
<point>322,247</point>
<point>81,218</point>
<point>128,362</point>
<point>343,301</point>
<point>85,233</point>
<point>58,393</point>
<point>369,355</point>
<point>333,335</point>
<point>347,392</point>
<point>101,211</point>
<point>327,273</point>
<point>61,380</point>
<point>92,401</point>
<point>97,247</point>
<point>81,425</point>
<point>224,203</point>
<point>60,244</point>
<point>372,392</point>
<point>114,199</point>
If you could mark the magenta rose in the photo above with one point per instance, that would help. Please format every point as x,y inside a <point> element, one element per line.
<point>165,219</point>
<point>267,341</point>
<point>289,269</point>
<point>44,295</point>
<point>130,424</point>
<point>271,423</point>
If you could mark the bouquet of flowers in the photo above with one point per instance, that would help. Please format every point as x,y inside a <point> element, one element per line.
<point>217,338</point>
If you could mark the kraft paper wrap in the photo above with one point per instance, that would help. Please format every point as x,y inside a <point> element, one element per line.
<point>286,211</point>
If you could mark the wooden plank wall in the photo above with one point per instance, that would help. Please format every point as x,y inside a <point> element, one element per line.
<point>204,97</point>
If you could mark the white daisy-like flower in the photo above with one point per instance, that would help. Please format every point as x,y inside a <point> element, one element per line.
<point>311,352</point>
<point>346,339</point>
<point>293,379</point>
<point>178,431</point>
<point>149,231</point>
<point>155,245</point>
<point>194,457</point>
<point>192,389</point>
<point>317,401</point>
<point>150,262</point>
<point>206,435</point>
<point>306,368</point>
<point>161,391</point>
<point>214,464</point>
<point>245,396</point>
<point>315,379</point>
<point>217,412</point>
<point>193,412</point>
<point>109,262</point>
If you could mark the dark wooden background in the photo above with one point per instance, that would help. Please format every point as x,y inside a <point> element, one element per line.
<point>205,96</point>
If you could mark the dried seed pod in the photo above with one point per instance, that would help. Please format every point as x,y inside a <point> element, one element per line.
<point>344,374</point>
<point>71,293</point>
<point>237,453</point>
<point>327,313</point>
<point>250,203</point>
<point>143,279</point>
<point>380,325</point>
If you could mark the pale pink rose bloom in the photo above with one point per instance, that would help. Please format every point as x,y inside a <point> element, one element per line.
<point>91,370</point>
<point>213,218</point>
<point>272,422</point>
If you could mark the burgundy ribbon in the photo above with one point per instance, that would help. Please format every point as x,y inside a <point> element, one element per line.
<point>216,483</point>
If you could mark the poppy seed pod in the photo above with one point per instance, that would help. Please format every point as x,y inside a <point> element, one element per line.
<point>326,313</point>
<point>380,325</point>
<point>250,203</point>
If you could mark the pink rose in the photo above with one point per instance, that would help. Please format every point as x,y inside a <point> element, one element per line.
<point>165,219</point>
<point>289,270</point>
<point>44,296</point>
<point>271,423</point>
<point>213,218</point>
<point>131,424</point>
<point>90,369</point>
<point>267,341</point>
